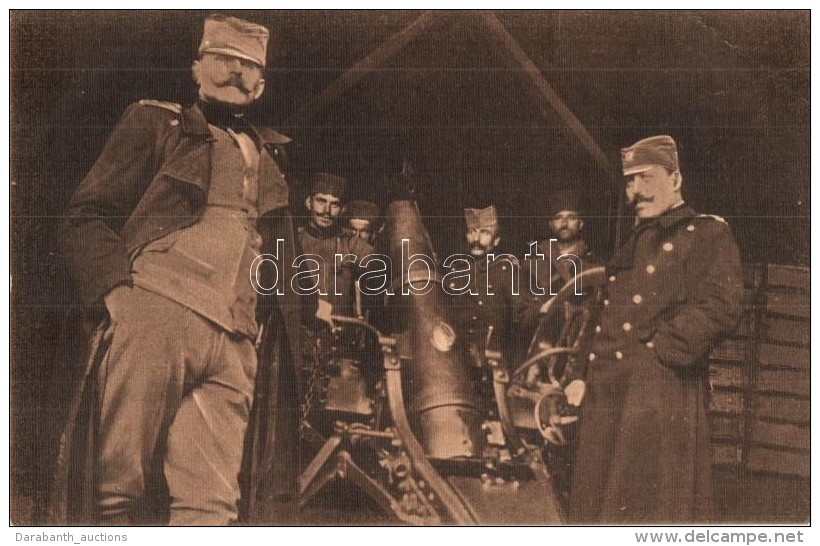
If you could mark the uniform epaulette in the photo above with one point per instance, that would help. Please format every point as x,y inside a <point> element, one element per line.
<point>714,217</point>
<point>174,107</point>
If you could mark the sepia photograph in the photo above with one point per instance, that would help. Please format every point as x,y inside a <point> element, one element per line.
<point>319,268</point>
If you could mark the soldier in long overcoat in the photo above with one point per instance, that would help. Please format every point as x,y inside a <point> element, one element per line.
<point>674,290</point>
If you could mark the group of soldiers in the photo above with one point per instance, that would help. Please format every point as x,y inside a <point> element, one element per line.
<point>502,294</point>
<point>159,238</point>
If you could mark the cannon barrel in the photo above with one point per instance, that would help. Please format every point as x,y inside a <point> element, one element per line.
<point>442,398</point>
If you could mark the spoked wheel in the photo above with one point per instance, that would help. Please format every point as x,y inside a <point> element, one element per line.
<point>553,358</point>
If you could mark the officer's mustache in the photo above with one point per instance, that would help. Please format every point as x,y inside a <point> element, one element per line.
<point>234,81</point>
<point>640,199</point>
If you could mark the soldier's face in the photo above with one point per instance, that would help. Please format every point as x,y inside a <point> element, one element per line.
<point>228,80</point>
<point>566,225</point>
<point>357,227</point>
<point>324,209</point>
<point>653,192</point>
<point>482,241</point>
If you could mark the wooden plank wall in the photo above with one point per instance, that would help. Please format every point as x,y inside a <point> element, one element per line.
<point>760,413</point>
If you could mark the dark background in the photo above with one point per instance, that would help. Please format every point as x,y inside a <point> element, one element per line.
<point>731,87</point>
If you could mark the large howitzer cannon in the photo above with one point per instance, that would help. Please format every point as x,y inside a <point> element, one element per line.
<point>433,439</point>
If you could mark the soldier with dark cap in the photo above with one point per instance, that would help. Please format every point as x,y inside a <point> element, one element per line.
<point>566,223</point>
<point>554,262</point>
<point>565,254</point>
<point>334,266</point>
<point>160,237</point>
<point>362,220</point>
<point>674,291</point>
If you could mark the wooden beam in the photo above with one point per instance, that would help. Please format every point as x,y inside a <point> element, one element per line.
<point>354,75</point>
<point>546,92</point>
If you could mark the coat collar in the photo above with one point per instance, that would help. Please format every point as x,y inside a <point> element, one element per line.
<point>675,215</point>
<point>623,257</point>
<point>328,233</point>
<point>578,248</point>
<point>194,123</point>
<point>191,160</point>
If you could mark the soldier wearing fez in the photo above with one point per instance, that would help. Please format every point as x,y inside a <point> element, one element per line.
<point>160,237</point>
<point>330,256</point>
<point>674,290</point>
<point>362,220</point>
<point>554,261</point>
<point>566,248</point>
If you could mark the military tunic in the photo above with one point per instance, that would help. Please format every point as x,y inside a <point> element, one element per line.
<point>674,290</point>
<point>154,178</point>
<point>491,302</point>
<point>336,276</point>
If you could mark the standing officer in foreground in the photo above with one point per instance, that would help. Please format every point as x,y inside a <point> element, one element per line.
<point>674,290</point>
<point>162,233</point>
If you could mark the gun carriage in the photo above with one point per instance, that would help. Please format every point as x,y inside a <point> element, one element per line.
<point>432,437</point>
